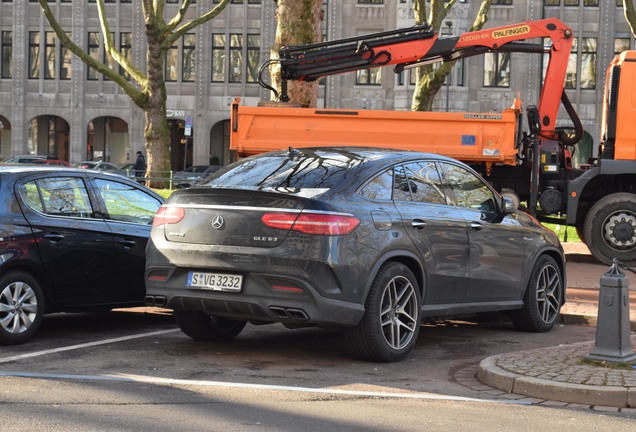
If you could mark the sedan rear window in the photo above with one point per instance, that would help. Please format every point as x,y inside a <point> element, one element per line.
<point>59,196</point>
<point>315,170</point>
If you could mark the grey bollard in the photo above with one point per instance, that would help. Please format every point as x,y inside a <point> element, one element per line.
<point>612,329</point>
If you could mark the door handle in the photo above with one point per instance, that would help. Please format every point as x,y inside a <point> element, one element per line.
<point>127,243</point>
<point>54,237</point>
<point>418,224</point>
<point>476,226</point>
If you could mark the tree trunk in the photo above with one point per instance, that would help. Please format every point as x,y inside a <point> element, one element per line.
<point>298,23</point>
<point>156,132</point>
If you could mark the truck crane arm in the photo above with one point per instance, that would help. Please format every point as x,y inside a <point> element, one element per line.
<point>418,45</point>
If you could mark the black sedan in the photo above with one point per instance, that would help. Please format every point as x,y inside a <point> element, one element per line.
<point>370,241</point>
<point>70,240</point>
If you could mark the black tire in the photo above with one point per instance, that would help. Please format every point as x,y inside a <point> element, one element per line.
<point>21,307</point>
<point>391,322</point>
<point>201,326</point>
<point>610,229</point>
<point>542,299</point>
<point>580,231</point>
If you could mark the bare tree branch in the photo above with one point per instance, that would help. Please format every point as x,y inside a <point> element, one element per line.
<point>178,18</point>
<point>630,15</point>
<point>100,67</point>
<point>115,54</point>
<point>150,92</point>
<point>211,14</point>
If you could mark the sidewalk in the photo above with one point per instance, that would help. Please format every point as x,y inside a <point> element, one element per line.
<point>554,373</point>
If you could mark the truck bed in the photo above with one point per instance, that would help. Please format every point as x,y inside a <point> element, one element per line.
<point>489,138</point>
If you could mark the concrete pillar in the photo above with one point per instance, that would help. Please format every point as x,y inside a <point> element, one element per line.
<point>612,329</point>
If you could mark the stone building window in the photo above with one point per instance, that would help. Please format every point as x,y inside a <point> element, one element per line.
<point>188,59</point>
<point>65,61</point>
<point>370,77</point>
<point>236,58</point>
<point>218,57</point>
<point>171,64</point>
<point>621,44</point>
<point>253,57</point>
<point>7,54</point>
<point>575,3</point>
<point>96,51</point>
<point>49,55</point>
<point>125,47</point>
<point>238,62</point>
<point>34,54</point>
<point>93,51</point>
<point>588,63</point>
<point>497,69</point>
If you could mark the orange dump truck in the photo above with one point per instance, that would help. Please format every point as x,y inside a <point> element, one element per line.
<point>533,165</point>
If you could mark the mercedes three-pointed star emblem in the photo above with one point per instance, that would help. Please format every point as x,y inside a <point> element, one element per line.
<point>218,222</point>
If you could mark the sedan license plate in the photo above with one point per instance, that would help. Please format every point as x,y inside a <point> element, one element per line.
<point>215,281</point>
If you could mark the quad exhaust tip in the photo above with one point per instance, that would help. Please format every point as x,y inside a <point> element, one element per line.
<point>159,301</point>
<point>289,313</point>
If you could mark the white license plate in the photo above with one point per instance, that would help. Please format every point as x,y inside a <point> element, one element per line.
<point>215,281</point>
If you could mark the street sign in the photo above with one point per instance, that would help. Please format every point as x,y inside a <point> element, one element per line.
<point>188,122</point>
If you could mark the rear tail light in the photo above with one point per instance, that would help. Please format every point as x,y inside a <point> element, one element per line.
<point>312,223</point>
<point>168,215</point>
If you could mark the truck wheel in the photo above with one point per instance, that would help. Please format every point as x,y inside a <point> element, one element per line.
<point>610,229</point>
<point>391,322</point>
<point>21,307</point>
<point>542,299</point>
<point>580,231</point>
<point>201,326</point>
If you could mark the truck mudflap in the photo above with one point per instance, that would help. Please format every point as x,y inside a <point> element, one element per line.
<point>489,138</point>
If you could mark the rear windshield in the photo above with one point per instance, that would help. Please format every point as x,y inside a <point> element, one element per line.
<point>315,170</point>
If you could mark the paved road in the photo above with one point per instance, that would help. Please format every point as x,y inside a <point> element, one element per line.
<point>134,370</point>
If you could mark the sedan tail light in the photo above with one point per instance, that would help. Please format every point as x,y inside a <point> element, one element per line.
<point>168,215</point>
<point>312,223</point>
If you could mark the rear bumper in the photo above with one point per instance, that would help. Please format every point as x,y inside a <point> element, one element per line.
<point>308,310</point>
<point>294,285</point>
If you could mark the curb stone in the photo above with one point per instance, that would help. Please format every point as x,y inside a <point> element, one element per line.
<point>522,373</point>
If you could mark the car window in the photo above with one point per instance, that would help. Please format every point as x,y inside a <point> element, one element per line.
<point>302,170</point>
<point>424,182</point>
<point>401,189</point>
<point>468,189</point>
<point>127,203</point>
<point>58,196</point>
<point>379,187</point>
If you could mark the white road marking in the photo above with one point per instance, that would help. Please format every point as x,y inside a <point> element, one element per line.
<point>204,383</point>
<point>220,384</point>
<point>84,345</point>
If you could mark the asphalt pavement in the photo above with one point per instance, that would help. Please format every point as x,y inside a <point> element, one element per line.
<point>558,373</point>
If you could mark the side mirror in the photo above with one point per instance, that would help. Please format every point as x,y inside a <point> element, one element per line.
<point>509,206</point>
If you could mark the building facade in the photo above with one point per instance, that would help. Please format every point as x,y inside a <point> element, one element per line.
<point>51,103</point>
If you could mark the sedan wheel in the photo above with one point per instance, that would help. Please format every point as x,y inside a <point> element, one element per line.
<point>201,326</point>
<point>542,300</point>
<point>21,307</point>
<point>391,323</point>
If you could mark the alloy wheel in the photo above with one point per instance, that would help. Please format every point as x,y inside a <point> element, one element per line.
<point>18,307</point>
<point>548,292</point>
<point>398,313</point>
